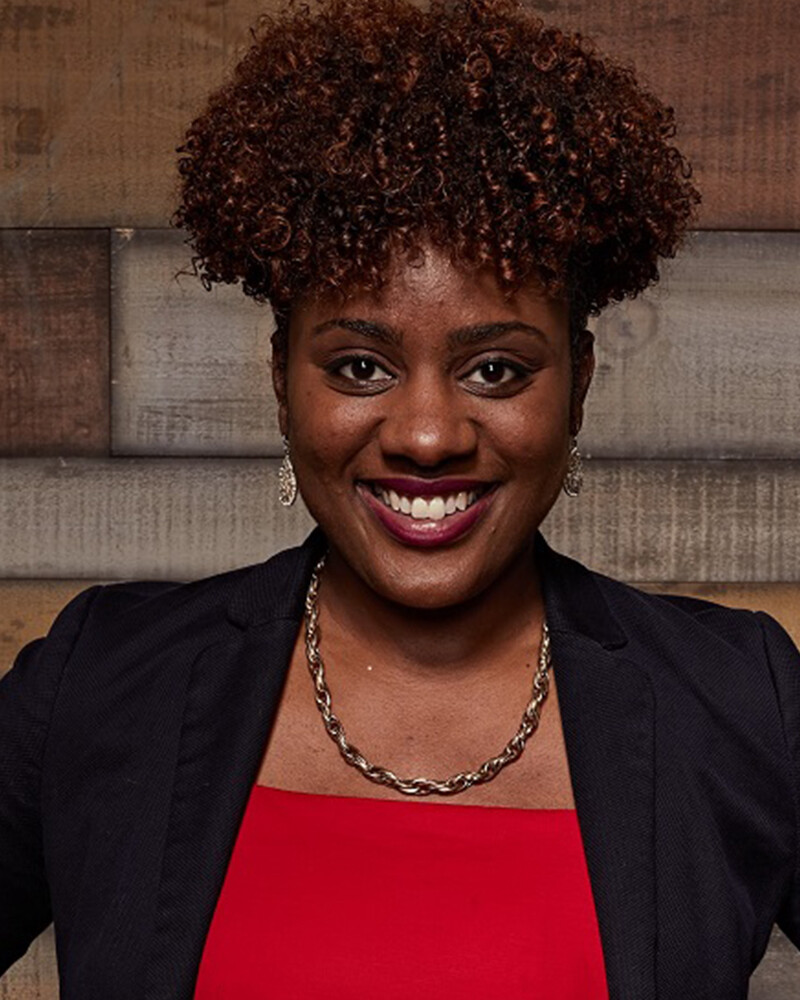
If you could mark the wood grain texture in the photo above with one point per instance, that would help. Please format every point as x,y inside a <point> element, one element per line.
<point>35,975</point>
<point>705,366</point>
<point>778,975</point>
<point>185,518</point>
<point>190,368</point>
<point>730,70</point>
<point>54,342</point>
<point>96,98</point>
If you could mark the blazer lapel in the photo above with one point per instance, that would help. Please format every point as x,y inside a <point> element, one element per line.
<point>233,694</point>
<point>607,709</point>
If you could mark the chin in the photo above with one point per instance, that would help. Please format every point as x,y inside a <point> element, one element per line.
<point>427,581</point>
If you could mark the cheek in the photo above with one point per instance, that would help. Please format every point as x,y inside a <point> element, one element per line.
<point>327,428</point>
<point>534,429</point>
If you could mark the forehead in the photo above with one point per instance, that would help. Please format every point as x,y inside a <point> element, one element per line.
<point>431,292</point>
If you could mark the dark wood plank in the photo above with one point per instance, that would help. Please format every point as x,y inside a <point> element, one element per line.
<point>705,366</point>
<point>731,71</point>
<point>184,518</point>
<point>98,96</point>
<point>54,319</point>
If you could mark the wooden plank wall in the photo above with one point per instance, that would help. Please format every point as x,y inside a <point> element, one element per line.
<point>137,429</point>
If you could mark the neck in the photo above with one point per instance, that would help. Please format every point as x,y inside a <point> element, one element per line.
<point>472,635</point>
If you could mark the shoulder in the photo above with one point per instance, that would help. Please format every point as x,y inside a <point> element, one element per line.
<point>736,660</point>
<point>157,611</point>
<point>118,627</point>
<point>653,617</point>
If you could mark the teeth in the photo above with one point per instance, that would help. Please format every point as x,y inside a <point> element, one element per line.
<point>419,509</point>
<point>436,509</point>
<point>427,509</point>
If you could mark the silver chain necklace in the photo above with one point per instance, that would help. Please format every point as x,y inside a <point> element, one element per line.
<point>383,776</point>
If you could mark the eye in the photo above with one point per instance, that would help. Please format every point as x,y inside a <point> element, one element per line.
<point>360,368</point>
<point>494,372</point>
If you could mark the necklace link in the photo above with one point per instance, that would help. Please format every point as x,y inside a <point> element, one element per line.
<point>382,775</point>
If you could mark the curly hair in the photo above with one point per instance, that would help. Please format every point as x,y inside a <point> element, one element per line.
<point>364,127</point>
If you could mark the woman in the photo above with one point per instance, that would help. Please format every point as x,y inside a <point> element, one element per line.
<point>433,202</point>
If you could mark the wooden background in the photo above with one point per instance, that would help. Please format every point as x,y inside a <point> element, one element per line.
<point>137,428</point>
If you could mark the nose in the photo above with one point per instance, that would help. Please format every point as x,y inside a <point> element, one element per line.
<point>428,423</point>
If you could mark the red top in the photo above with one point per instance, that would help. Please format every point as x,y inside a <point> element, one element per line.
<point>350,898</point>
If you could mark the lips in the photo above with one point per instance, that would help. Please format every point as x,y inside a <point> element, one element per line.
<point>427,512</point>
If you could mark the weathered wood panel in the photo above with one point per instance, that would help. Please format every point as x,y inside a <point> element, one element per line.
<point>706,365</point>
<point>183,518</point>
<point>730,70</point>
<point>54,342</point>
<point>96,97</point>
<point>778,975</point>
<point>157,518</point>
<point>190,368</point>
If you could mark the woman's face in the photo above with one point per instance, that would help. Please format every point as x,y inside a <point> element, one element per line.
<point>429,426</point>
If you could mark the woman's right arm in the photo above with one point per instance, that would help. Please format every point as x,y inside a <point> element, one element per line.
<point>27,695</point>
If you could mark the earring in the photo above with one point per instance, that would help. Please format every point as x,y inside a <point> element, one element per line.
<point>287,481</point>
<point>573,481</point>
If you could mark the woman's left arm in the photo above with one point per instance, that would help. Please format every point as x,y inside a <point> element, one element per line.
<point>783,658</point>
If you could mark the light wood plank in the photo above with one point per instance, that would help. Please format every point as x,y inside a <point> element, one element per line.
<point>706,365</point>
<point>190,371</point>
<point>54,342</point>
<point>35,975</point>
<point>778,975</point>
<point>148,518</point>
<point>184,518</point>
<point>98,95</point>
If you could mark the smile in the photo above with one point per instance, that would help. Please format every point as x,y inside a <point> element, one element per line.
<point>427,508</point>
<point>427,514</point>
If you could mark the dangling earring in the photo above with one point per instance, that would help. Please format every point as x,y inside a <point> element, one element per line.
<point>287,481</point>
<point>574,477</point>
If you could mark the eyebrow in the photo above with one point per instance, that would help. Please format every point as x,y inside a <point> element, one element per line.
<point>465,336</point>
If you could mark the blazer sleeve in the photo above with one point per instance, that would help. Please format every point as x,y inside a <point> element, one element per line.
<point>27,696</point>
<point>784,663</point>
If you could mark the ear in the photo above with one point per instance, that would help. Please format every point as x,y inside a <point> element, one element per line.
<point>278,365</point>
<point>584,370</point>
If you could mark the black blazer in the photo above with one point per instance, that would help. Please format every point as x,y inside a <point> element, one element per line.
<point>131,736</point>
